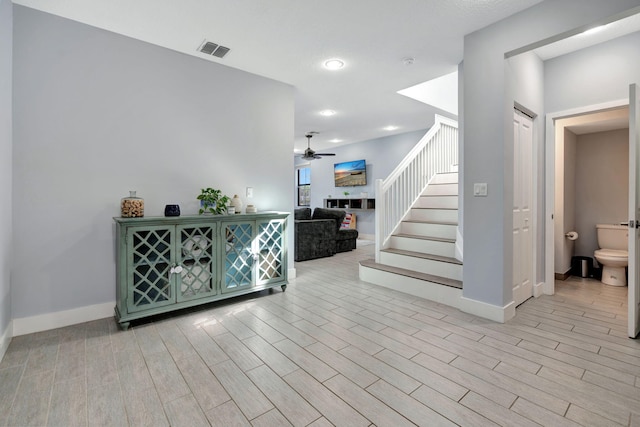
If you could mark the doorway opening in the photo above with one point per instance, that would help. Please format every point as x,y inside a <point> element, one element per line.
<point>591,185</point>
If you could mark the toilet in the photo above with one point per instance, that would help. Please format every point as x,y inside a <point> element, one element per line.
<point>613,253</point>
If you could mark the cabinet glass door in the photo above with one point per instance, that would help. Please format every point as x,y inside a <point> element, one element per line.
<point>271,266</point>
<point>197,257</point>
<point>150,258</point>
<point>237,245</point>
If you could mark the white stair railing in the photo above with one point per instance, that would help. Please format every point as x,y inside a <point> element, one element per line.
<point>436,152</point>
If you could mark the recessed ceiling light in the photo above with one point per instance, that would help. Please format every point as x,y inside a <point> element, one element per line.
<point>390,128</point>
<point>333,64</point>
<point>327,113</point>
<point>335,140</point>
<point>408,60</point>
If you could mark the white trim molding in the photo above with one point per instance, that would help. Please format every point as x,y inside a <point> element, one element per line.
<point>459,244</point>
<point>538,289</point>
<point>5,339</point>
<point>60,319</point>
<point>291,273</point>
<point>488,311</point>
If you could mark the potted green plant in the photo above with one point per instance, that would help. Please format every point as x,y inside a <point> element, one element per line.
<point>212,201</point>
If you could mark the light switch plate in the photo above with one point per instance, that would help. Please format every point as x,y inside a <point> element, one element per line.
<point>480,189</point>
<point>249,191</point>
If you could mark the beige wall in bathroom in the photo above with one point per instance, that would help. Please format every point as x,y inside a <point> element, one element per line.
<point>602,184</point>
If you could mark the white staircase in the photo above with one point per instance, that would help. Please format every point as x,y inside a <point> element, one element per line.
<point>420,256</point>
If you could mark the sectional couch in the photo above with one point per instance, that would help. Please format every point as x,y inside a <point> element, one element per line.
<point>318,234</point>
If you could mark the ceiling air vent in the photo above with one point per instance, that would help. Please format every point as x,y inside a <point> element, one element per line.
<point>221,51</point>
<point>213,49</point>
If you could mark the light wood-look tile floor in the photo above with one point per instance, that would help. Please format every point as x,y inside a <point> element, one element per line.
<point>332,350</point>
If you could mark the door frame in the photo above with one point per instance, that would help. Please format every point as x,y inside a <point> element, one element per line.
<point>550,180</point>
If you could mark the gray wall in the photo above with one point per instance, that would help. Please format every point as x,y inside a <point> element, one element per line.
<point>382,156</point>
<point>599,74</point>
<point>96,115</point>
<point>6,64</point>
<point>488,133</point>
<point>602,185</point>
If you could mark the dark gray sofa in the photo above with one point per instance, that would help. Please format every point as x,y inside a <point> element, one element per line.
<point>319,235</point>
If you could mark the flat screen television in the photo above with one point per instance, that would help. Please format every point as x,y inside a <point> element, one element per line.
<point>350,174</point>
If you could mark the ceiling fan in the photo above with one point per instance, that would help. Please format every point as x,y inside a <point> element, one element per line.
<point>310,154</point>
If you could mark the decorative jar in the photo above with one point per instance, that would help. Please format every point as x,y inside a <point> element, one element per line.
<point>132,206</point>
<point>251,209</point>
<point>236,203</point>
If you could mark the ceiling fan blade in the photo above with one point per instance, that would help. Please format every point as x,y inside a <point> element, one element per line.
<point>325,154</point>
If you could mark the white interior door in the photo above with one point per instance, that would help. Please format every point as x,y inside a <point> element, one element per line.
<point>522,201</point>
<point>634,210</point>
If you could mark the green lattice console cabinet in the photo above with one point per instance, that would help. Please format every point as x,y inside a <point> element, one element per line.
<point>168,263</point>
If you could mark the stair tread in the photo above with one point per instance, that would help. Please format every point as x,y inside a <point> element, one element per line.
<point>414,274</point>
<point>422,255</point>
<point>419,221</point>
<point>416,236</point>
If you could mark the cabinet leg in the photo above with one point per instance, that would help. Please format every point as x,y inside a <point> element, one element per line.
<point>125,325</point>
<point>284,288</point>
<point>270,290</point>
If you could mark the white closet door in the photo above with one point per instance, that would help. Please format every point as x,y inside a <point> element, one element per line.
<point>522,201</point>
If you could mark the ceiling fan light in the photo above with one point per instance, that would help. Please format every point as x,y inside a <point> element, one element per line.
<point>327,113</point>
<point>334,64</point>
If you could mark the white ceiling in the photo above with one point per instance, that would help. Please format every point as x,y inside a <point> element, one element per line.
<point>288,40</point>
<point>600,34</point>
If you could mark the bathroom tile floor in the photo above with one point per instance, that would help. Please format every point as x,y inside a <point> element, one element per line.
<point>333,350</point>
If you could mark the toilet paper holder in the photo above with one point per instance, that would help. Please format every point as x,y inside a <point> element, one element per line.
<point>572,235</point>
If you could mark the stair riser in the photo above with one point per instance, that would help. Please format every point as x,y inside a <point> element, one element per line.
<point>438,215</point>
<point>447,202</point>
<point>428,230</point>
<point>431,247</point>
<point>442,190</point>
<point>445,178</point>
<point>431,291</point>
<point>427,266</point>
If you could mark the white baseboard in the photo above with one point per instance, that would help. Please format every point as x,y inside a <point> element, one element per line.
<point>367,236</point>
<point>538,289</point>
<point>5,339</point>
<point>60,319</point>
<point>488,311</point>
<point>291,273</point>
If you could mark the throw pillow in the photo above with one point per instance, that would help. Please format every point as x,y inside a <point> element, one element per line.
<point>346,222</point>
